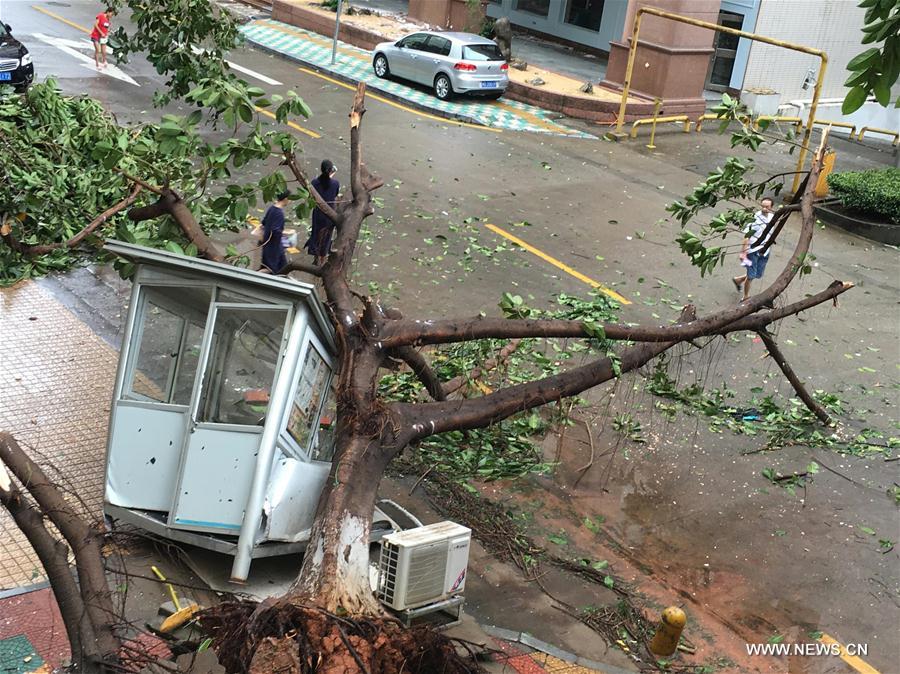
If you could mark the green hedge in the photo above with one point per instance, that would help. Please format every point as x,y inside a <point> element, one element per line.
<point>874,193</point>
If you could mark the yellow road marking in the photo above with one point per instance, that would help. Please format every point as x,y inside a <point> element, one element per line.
<point>857,663</point>
<point>293,125</point>
<point>64,20</point>
<point>387,101</point>
<point>556,263</point>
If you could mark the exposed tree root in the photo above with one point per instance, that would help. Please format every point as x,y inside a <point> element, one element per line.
<point>286,638</point>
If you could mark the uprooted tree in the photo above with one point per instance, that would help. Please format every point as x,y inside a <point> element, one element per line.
<point>309,628</point>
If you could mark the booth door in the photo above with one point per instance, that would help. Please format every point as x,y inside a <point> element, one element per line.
<point>151,414</point>
<point>241,354</point>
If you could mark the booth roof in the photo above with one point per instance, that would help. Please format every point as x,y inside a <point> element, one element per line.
<point>193,265</point>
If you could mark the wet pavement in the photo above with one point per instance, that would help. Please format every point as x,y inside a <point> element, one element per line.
<point>779,565</point>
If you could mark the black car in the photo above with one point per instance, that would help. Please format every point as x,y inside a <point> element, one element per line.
<point>16,68</point>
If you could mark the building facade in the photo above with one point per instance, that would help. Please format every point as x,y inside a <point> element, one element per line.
<point>734,64</point>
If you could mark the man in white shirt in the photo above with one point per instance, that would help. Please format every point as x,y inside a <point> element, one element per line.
<point>751,254</point>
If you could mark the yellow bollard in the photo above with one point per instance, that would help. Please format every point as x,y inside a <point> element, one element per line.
<point>665,641</point>
<point>827,167</point>
<point>658,103</point>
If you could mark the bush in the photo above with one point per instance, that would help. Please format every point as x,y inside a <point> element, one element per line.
<point>873,193</point>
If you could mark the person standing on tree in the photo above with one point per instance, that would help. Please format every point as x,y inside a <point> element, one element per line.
<point>273,257</point>
<point>751,253</point>
<point>319,242</point>
<point>100,36</point>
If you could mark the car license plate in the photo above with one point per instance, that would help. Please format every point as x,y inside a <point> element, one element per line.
<point>488,85</point>
<point>5,77</point>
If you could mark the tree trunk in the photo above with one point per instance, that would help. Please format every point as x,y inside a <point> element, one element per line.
<point>335,571</point>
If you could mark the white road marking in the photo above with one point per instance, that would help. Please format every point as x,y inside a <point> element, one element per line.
<point>253,73</point>
<point>73,47</point>
<point>246,71</point>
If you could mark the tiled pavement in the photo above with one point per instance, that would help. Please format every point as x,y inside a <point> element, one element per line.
<point>32,635</point>
<point>355,64</point>
<point>56,379</point>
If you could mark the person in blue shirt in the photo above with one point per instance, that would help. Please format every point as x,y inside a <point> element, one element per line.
<point>319,242</point>
<point>273,257</point>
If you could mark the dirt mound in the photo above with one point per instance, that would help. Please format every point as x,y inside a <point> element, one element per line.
<point>278,637</point>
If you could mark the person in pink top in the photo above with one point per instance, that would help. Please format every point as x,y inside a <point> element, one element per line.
<point>100,36</point>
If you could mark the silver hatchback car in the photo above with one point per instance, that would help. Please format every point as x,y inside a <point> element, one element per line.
<point>451,63</point>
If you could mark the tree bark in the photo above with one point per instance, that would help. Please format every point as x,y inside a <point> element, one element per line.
<point>335,571</point>
<point>792,377</point>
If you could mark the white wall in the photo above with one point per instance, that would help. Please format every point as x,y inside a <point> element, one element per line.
<point>834,26</point>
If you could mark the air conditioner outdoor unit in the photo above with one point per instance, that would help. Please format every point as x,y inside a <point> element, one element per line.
<point>424,565</point>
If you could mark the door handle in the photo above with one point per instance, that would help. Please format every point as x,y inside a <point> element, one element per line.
<point>435,61</point>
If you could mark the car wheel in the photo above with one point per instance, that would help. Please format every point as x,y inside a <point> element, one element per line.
<point>442,87</point>
<point>381,66</point>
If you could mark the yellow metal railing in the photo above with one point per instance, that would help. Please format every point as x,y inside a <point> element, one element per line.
<point>658,120</point>
<point>842,125</point>
<point>653,11</point>
<point>871,129</point>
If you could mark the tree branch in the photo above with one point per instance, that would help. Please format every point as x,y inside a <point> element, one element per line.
<point>420,367</point>
<point>43,249</point>
<point>294,264</point>
<point>53,555</point>
<point>291,162</point>
<point>426,419</point>
<point>357,187</point>
<point>81,538</point>
<point>412,333</point>
<point>171,203</point>
<point>792,377</point>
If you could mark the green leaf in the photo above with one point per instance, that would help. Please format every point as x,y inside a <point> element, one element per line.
<point>867,530</point>
<point>173,247</point>
<point>864,60</point>
<point>599,565</point>
<point>558,539</point>
<point>854,100</point>
<point>882,93</point>
<point>204,645</point>
<point>609,581</point>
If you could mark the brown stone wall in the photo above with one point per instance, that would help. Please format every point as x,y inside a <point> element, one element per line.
<point>323,25</point>
<point>672,58</point>
<point>433,12</point>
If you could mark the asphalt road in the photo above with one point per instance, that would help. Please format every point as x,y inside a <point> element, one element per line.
<point>592,214</point>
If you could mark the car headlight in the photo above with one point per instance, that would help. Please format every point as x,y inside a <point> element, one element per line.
<point>26,58</point>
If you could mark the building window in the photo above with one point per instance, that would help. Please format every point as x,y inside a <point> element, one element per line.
<point>171,326</point>
<point>585,13</point>
<point>539,7</point>
<point>246,346</point>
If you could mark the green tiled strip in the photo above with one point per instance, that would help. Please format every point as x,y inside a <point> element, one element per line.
<point>13,655</point>
<point>355,64</point>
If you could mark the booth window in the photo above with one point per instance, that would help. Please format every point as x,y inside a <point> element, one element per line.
<point>307,403</point>
<point>240,370</point>
<point>171,325</point>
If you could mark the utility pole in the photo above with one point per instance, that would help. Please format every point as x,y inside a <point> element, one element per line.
<point>337,29</point>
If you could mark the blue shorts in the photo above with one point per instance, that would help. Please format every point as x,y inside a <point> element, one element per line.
<point>758,265</point>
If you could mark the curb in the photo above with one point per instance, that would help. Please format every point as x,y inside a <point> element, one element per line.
<point>527,640</point>
<point>437,112</point>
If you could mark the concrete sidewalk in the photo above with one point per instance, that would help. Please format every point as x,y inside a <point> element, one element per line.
<point>354,65</point>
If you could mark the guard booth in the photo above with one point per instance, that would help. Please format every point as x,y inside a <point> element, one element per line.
<point>223,412</point>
